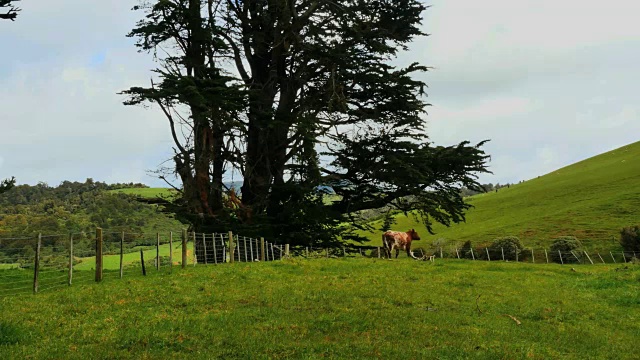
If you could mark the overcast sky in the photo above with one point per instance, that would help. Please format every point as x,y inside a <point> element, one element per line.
<point>549,82</point>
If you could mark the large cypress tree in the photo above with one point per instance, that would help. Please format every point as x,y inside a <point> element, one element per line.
<point>296,95</point>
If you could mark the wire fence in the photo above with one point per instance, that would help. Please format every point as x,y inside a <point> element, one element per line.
<point>43,262</point>
<point>46,262</point>
<point>536,256</point>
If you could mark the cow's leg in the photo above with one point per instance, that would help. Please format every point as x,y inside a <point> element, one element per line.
<point>397,252</point>
<point>410,253</point>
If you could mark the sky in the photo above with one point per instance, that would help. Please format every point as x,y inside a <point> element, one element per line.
<point>548,82</point>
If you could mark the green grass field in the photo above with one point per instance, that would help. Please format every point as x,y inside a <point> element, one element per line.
<point>354,308</point>
<point>112,262</point>
<point>591,200</point>
<point>147,192</point>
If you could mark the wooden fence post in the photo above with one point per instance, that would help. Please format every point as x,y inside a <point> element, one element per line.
<point>157,251</point>
<point>457,253</point>
<point>70,259</point>
<point>614,259</point>
<point>204,248</point>
<point>327,251</point>
<point>561,261</point>
<point>121,255</point>
<point>546,256</point>
<point>575,256</point>
<point>441,252</point>
<point>144,270</point>
<point>488,257</point>
<point>286,250</point>
<point>516,250</point>
<point>184,248</point>
<point>36,265</point>
<point>472,255</point>
<point>262,249</point>
<point>601,259</point>
<point>195,257</point>
<point>502,249</point>
<point>588,257</point>
<point>533,258</point>
<point>170,251</point>
<point>244,243</point>
<point>215,251</point>
<point>232,247</point>
<point>98,254</point>
<point>624,257</point>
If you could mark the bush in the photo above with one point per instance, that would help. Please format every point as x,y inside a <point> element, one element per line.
<point>565,244</point>
<point>465,251</point>
<point>630,238</point>
<point>511,246</point>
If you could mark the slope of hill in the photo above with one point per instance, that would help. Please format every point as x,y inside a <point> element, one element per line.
<point>146,192</point>
<point>591,199</point>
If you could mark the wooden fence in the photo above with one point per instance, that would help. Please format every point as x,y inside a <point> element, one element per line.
<point>64,260</point>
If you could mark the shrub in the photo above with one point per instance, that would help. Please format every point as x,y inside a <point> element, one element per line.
<point>511,246</point>
<point>630,238</point>
<point>465,251</point>
<point>565,244</point>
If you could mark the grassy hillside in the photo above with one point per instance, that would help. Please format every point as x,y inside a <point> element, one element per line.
<point>147,192</point>
<point>591,200</point>
<point>346,308</point>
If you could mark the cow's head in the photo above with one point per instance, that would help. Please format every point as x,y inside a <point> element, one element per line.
<point>414,234</point>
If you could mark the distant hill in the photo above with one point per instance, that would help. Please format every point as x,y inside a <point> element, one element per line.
<point>75,207</point>
<point>591,199</point>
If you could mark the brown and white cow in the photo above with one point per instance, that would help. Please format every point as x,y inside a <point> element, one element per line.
<point>399,240</point>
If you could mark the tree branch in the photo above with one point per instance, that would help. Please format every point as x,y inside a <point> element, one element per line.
<point>171,122</point>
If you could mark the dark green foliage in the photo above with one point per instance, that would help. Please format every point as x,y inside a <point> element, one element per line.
<point>389,220</point>
<point>565,244</point>
<point>511,246</point>
<point>465,251</point>
<point>630,238</point>
<point>12,10</point>
<point>7,184</point>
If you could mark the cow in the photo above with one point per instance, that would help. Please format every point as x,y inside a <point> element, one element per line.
<point>399,240</point>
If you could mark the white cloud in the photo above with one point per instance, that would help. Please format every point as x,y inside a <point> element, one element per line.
<point>549,82</point>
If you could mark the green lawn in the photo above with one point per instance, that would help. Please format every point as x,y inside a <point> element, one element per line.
<point>591,200</point>
<point>354,308</point>
<point>112,262</point>
<point>148,192</point>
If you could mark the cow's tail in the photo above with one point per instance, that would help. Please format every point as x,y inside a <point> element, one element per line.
<point>386,248</point>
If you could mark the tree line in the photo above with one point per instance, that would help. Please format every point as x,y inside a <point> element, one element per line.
<point>74,207</point>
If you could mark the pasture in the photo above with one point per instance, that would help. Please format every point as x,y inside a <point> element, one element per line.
<point>147,192</point>
<point>112,261</point>
<point>591,199</point>
<point>352,308</point>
